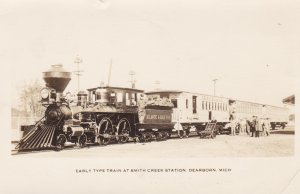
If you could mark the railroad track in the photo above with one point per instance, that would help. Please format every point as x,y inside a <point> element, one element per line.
<point>91,146</point>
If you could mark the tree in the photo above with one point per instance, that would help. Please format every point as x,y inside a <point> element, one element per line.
<point>29,99</point>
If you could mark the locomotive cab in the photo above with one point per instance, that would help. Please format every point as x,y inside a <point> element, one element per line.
<point>114,96</point>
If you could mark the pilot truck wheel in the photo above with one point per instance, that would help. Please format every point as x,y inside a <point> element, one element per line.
<point>82,141</point>
<point>60,142</point>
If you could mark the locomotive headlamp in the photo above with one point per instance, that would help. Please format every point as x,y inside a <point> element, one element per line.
<point>44,93</point>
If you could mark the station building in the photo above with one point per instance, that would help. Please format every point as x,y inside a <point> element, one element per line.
<point>289,102</point>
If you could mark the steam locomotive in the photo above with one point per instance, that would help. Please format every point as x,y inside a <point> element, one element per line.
<point>56,126</point>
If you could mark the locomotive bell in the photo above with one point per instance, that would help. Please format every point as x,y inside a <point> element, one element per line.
<point>57,78</point>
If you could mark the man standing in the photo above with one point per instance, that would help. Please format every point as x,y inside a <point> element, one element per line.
<point>178,127</point>
<point>267,125</point>
<point>248,127</point>
<point>142,103</point>
<point>253,126</point>
<point>258,127</point>
<point>233,126</point>
<point>243,127</point>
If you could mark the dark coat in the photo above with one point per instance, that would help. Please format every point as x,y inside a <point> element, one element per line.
<point>251,125</point>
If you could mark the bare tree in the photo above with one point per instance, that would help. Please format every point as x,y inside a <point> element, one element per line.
<point>29,99</point>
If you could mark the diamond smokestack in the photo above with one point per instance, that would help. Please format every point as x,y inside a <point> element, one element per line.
<point>57,78</point>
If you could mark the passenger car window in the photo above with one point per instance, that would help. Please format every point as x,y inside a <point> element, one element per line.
<point>174,101</point>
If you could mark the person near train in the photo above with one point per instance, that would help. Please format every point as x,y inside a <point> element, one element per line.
<point>237,126</point>
<point>178,127</point>
<point>253,124</point>
<point>267,126</point>
<point>263,122</point>
<point>142,103</point>
<point>233,126</point>
<point>242,125</point>
<point>258,127</point>
<point>248,127</point>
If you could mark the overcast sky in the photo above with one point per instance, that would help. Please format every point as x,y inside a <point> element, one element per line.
<point>251,47</point>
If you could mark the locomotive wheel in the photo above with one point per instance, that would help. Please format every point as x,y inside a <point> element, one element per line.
<point>98,140</point>
<point>165,135</point>
<point>104,140</point>
<point>123,130</point>
<point>168,134</point>
<point>141,138</point>
<point>158,136</point>
<point>82,140</point>
<point>147,136</point>
<point>180,133</point>
<point>273,126</point>
<point>60,142</point>
<point>105,130</point>
<point>187,132</point>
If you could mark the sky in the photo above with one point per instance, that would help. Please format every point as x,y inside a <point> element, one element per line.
<point>251,47</point>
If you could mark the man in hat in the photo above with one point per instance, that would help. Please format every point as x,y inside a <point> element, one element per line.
<point>253,126</point>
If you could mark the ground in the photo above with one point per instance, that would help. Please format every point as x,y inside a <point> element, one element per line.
<point>279,144</point>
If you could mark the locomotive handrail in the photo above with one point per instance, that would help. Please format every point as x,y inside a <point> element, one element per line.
<point>59,121</point>
<point>39,120</point>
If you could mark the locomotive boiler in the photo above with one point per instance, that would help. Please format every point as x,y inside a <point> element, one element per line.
<point>56,126</point>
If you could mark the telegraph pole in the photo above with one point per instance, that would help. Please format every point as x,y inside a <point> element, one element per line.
<point>78,72</point>
<point>215,80</point>
<point>132,80</point>
<point>109,73</point>
<point>157,83</point>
